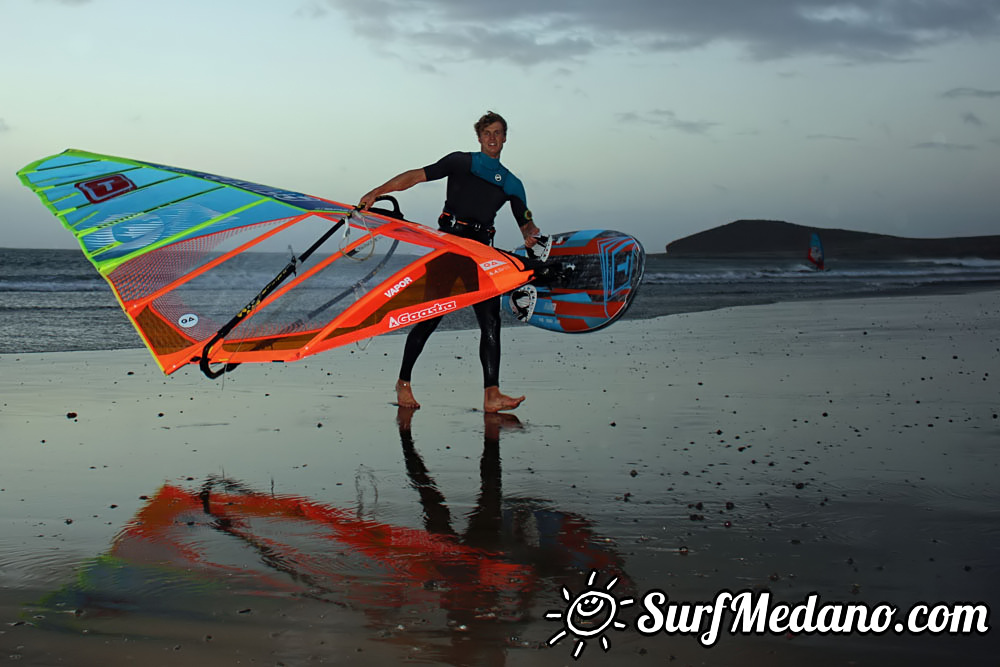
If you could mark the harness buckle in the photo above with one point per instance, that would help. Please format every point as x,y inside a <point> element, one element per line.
<point>447,222</point>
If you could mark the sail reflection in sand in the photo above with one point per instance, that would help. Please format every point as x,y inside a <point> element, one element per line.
<point>190,551</point>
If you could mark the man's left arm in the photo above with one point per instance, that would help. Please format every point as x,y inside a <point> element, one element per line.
<point>522,214</point>
<point>529,230</point>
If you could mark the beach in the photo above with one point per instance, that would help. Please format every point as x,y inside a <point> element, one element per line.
<point>292,514</point>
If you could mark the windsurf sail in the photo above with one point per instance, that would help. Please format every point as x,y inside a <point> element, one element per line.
<point>815,255</point>
<point>215,270</point>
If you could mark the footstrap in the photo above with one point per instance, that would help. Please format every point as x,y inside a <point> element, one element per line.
<point>522,302</point>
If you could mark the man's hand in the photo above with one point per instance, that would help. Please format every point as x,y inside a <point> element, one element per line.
<point>530,232</point>
<point>368,199</point>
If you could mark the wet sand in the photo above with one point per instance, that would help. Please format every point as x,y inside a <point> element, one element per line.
<point>291,514</point>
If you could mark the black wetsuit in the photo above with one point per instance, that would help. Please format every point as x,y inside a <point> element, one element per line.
<point>478,186</point>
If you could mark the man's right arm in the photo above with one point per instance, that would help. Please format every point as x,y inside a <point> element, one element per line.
<point>402,181</point>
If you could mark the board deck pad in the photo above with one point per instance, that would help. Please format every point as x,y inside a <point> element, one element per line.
<point>588,281</point>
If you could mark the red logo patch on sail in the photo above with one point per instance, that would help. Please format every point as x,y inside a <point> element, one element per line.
<point>105,188</point>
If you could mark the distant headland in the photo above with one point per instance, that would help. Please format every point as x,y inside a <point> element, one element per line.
<point>771,238</point>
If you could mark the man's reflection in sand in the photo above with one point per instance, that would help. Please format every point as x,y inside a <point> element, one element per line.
<point>478,616</point>
<point>485,520</point>
<point>551,546</point>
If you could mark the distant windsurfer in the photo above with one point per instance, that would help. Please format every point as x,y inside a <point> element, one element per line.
<point>478,186</point>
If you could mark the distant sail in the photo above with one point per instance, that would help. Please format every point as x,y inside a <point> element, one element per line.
<point>198,261</point>
<point>815,255</point>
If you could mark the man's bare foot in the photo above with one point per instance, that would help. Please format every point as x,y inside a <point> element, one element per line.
<point>494,401</point>
<point>404,395</point>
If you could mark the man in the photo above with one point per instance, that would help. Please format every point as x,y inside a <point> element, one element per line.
<point>478,186</point>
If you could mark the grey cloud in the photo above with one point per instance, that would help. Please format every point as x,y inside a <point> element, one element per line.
<point>4,127</point>
<point>312,10</point>
<point>970,118</point>
<point>667,119</point>
<point>529,32</point>
<point>944,146</point>
<point>628,117</point>
<point>480,43</point>
<point>958,93</point>
<point>829,137</point>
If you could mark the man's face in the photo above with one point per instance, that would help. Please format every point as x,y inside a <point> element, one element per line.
<point>492,138</point>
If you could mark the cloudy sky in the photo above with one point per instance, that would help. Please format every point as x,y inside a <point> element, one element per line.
<point>657,117</point>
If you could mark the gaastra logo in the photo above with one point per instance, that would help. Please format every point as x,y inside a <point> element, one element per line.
<point>498,177</point>
<point>422,314</point>
<point>106,187</point>
<point>394,290</point>
<point>492,264</point>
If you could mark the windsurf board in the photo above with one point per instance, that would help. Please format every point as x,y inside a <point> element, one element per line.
<point>588,281</point>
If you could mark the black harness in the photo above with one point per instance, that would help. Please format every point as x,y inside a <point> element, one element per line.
<point>447,222</point>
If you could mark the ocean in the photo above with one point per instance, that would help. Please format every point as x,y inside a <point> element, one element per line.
<point>54,300</point>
